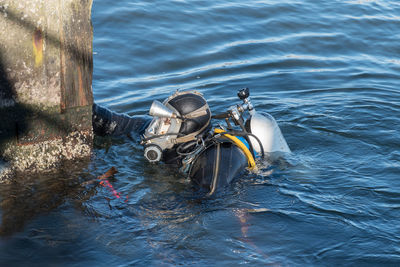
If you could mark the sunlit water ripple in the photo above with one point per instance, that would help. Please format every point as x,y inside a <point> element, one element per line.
<point>328,71</point>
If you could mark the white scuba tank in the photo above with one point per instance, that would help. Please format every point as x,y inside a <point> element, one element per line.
<point>264,126</point>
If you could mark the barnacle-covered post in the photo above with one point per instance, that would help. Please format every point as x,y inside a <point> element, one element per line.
<point>45,83</point>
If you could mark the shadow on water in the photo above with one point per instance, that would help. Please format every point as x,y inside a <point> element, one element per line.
<point>25,196</point>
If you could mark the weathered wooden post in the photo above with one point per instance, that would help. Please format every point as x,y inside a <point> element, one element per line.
<point>45,83</point>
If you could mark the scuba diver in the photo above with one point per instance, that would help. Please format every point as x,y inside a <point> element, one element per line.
<point>180,133</point>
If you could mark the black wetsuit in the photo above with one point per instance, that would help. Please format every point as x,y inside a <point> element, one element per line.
<point>107,122</point>
<point>214,167</point>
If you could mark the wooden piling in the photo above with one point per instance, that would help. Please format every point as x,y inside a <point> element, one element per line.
<point>46,97</point>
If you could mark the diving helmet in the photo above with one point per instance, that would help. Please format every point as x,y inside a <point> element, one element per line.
<point>178,119</point>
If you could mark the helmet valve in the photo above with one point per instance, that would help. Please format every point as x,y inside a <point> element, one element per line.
<point>153,153</point>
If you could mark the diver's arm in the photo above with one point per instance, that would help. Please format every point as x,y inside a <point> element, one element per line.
<point>106,122</point>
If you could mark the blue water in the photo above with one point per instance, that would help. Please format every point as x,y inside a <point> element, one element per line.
<point>328,71</point>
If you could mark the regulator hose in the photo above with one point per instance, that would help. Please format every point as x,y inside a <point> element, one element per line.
<point>249,155</point>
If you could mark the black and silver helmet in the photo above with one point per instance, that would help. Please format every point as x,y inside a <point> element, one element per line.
<point>179,119</point>
<point>193,108</point>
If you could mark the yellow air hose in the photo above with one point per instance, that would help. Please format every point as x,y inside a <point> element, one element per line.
<point>243,147</point>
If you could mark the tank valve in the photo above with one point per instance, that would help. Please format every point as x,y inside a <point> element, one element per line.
<point>243,93</point>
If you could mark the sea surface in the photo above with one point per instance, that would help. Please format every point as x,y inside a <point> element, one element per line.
<point>328,71</point>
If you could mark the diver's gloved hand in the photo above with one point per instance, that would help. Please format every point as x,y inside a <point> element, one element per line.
<point>105,122</point>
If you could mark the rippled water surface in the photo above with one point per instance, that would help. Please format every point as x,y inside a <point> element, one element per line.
<point>328,71</point>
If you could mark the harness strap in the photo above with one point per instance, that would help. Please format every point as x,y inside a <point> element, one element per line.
<point>213,186</point>
<point>191,115</point>
<point>197,113</point>
<point>192,136</point>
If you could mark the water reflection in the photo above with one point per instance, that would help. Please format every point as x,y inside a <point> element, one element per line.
<point>28,196</point>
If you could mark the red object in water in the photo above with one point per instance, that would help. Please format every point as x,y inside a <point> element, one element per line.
<point>107,184</point>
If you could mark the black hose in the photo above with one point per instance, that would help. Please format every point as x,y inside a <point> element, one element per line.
<point>246,136</point>
<point>184,146</point>
<point>221,116</point>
